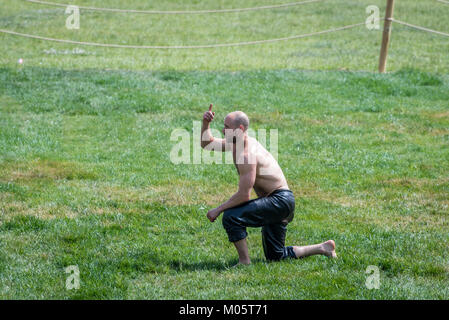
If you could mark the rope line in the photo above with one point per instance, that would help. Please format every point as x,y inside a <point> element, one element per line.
<point>291,4</point>
<point>443,1</point>
<point>235,44</point>
<point>419,27</point>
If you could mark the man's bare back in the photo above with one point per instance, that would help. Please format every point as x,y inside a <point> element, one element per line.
<point>269,175</point>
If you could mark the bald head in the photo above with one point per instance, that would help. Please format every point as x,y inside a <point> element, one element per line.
<point>238,118</point>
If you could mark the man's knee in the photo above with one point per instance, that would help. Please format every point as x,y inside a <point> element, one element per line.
<point>274,256</point>
<point>233,228</point>
<point>227,219</point>
<point>281,254</point>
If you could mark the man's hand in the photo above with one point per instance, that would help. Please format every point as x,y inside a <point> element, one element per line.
<point>213,214</point>
<point>209,115</point>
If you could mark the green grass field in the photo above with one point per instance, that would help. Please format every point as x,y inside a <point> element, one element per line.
<point>86,177</point>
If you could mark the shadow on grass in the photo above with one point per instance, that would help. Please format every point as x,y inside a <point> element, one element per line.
<point>206,265</point>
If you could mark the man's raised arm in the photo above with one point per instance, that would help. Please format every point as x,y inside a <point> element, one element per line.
<point>208,141</point>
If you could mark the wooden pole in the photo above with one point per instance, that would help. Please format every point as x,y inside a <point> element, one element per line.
<point>386,36</point>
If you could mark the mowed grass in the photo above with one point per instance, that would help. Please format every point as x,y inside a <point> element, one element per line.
<point>86,180</point>
<point>353,49</point>
<point>85,171</point>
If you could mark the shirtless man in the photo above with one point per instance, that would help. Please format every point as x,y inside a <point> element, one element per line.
<point>272,210</point>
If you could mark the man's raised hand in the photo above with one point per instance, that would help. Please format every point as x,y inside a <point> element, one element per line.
<point>209,115</point>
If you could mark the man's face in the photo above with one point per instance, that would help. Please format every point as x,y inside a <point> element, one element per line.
<point>231,127</point>
<point>227,124</point>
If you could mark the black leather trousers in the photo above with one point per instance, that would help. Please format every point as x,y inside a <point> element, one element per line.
<point>272,213</point>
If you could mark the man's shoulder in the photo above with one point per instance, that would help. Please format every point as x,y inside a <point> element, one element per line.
<point>246,161</point>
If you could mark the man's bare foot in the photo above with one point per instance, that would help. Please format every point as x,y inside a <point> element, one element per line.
<point>329,249</point>
<point>242,263</point>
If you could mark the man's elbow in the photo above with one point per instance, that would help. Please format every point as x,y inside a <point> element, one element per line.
<point>204,144</point>
<point>245,195</point>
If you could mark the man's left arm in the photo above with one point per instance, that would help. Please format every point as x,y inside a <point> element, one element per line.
<point>246,183</point>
